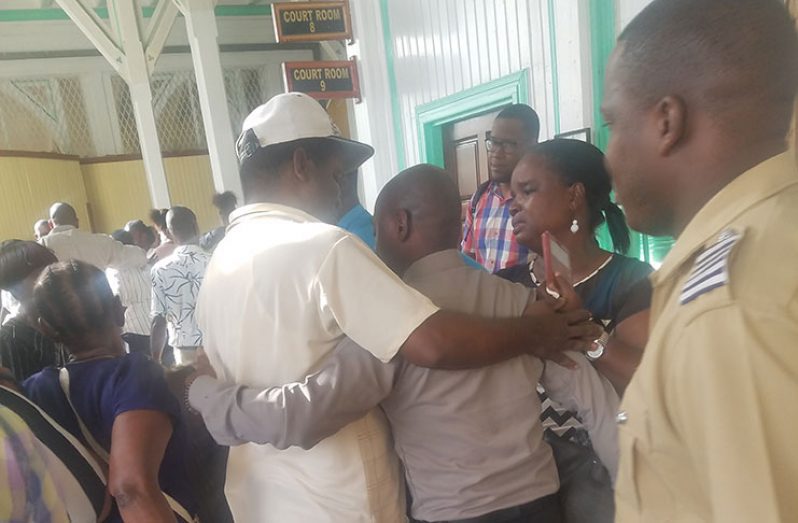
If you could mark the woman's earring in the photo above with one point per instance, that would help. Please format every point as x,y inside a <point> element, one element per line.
<point>575,226</point>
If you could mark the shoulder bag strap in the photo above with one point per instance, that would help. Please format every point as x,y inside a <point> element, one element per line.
<point>175,505</point>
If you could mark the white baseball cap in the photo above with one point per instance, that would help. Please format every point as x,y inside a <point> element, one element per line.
<point>295,116</point>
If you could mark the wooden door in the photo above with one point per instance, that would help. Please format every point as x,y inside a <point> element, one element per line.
<point>465,154</point>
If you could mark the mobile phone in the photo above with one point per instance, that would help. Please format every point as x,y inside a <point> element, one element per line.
<point>556,258</point>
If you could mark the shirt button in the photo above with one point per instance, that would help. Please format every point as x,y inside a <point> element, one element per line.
<point>622,417</point>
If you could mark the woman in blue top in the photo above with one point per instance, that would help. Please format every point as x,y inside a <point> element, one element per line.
<point>122,399</point>
<point>562,186</point>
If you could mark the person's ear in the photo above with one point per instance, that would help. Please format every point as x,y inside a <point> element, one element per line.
<point>302,165</point>
<point>48,330</point>
<point>671,117</point>
<point>118,312</point>
<point>402,220</point>
<point>576,196</point>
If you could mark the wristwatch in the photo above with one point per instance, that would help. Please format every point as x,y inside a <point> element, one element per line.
<point>601,343</point>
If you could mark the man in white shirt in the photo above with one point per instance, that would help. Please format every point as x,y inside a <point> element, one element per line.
<point>134,288</point>
<point>176,283</point>
<point>70,243</point>
<point>284,288</point>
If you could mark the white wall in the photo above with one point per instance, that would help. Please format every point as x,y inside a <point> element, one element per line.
<point>627,10</point>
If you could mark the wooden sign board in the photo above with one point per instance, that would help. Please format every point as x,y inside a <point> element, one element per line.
<point>323,80</point>
<point>312,21</point>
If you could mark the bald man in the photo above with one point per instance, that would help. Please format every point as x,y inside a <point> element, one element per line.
<point>41,229</point>
<point>176,282</point>
<point>68,242</point>
<point>471,441</point>
<point>699,97</point>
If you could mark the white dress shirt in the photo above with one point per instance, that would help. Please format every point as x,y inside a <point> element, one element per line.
<point>100,250</point>
<point>281,291</point>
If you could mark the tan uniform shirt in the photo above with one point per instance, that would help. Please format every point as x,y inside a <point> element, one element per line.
<point>710,420</point>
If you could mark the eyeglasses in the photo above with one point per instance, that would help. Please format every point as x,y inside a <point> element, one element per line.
<point>494,145</point>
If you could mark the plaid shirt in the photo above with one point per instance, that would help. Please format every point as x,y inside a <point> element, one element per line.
<point>488,235</point>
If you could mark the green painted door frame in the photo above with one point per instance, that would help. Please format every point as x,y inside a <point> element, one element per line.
<point>434,116</point>
<point>602,41</point>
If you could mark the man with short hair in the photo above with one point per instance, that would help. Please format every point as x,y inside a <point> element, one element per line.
<point>225,203</point>
<point>471,441</point>
<point>68,242</point>
<point>708,422</point>
<point>176,282</point>
<point>488,234</point>
<point>134,288</point>
<point>41,229</point>
<point>284,288</point>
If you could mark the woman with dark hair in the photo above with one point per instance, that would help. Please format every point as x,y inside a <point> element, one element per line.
<point>562,186</point>
<point>24,349</point>
<point>118,404</point>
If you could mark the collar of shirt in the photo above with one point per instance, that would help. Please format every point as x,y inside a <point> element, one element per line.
<point>497,192</point>
<point>748,189</point>
<point>62,228</point>
<point>261,210</point>
<point>432,263</point>
<point>356,213</point>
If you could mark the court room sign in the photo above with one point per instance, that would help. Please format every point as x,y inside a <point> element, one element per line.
<point>312,21</point>
<point>323,80</point>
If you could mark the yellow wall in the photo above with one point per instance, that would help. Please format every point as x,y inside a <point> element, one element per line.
<point>191,185</point>
<point>28,186</point>
<point>118,191</point>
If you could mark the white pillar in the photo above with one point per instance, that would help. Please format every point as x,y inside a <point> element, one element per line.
<point>100,113</point>
<point>123,13</point>
<point>374,115</point>
<point>202,37</point>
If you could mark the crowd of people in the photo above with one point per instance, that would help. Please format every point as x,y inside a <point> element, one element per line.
<point>305,361</point>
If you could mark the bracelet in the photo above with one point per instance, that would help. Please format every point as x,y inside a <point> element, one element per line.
<point>186,386</point>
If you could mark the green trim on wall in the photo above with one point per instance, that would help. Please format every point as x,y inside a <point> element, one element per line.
<point>602,41</point>
<point>396,110</point>
<point>50,14</point>
<point>433,116</point>
<point>555,75</point>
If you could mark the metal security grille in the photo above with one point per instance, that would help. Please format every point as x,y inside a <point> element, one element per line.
<point>44,114</point>
<point>50,114</point>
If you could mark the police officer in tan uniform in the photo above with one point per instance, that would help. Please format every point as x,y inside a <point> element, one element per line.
<point>699,97</point>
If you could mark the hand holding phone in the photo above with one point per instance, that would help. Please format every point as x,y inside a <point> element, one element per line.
<point>556,259</point>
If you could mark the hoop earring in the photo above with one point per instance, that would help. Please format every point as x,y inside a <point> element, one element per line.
<point>575,226</point>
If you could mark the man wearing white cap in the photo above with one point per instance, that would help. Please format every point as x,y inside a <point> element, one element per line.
<point>284,287</point>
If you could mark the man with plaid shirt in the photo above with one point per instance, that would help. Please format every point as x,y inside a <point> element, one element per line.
<point>488,236</point>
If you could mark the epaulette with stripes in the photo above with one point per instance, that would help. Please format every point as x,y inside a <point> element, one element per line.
<point>711,269</point>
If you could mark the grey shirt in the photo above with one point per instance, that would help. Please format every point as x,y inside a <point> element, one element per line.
<point>471,441</point>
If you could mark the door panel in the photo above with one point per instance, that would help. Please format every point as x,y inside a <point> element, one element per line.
<point>465,153</point>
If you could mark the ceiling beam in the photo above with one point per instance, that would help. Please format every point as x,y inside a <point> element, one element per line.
<point>158,31</point>
<point>95,30</point>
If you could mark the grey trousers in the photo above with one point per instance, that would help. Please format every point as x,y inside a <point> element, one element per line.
<point>586,494</point>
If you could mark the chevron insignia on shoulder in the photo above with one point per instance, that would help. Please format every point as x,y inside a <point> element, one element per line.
<point>711,269</point>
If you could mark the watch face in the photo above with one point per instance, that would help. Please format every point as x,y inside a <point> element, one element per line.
<point>596,354</point>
